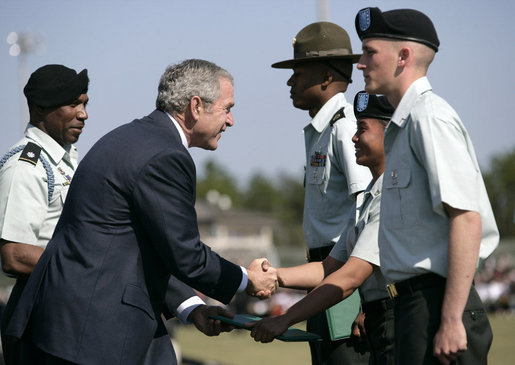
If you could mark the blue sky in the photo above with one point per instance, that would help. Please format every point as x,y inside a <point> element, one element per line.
<point>127,44</point>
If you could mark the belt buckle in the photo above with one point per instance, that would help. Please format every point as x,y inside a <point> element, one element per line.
<point>392,290</point>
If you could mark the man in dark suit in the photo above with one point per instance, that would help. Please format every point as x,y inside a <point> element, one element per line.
<point>128,225</point>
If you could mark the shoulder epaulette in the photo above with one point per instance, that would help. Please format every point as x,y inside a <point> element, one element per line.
<point>30,153</point>
<point>337,116</point>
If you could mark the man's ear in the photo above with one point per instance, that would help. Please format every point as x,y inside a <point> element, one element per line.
<point>327,78</point>
<point>195,106</point>
<point>405,55</point>
<point>39,110</point>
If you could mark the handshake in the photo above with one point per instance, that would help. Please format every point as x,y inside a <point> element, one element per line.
<point>263,281</point>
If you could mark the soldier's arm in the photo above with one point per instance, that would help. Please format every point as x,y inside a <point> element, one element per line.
<point>19,259</point>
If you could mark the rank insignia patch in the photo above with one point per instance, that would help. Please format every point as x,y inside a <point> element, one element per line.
<point>337,116</point>
<point>364,19</point>
<point>362,102</point>
<point>30,153</point>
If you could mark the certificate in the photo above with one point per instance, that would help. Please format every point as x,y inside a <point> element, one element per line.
<point>290,335</point>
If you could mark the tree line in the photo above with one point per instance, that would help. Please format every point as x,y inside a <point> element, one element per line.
<point>283,198</point>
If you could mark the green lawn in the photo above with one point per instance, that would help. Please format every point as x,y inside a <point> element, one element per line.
<point>238,348</point>
<point>503,349</point>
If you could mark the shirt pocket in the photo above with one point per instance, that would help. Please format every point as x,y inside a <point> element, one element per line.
<point>59,191</point>
<point>396,197</point>
<point>316,171</point>
<point>315,175</point>
<point>64,193</point>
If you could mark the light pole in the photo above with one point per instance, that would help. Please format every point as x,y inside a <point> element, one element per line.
<point>21,45</point>
<point>323,10</point>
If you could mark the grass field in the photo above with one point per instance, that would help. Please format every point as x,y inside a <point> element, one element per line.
<point>238,348</point>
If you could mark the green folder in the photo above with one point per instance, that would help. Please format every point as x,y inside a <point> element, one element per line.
<point>292,334</point>
<point>341,316</point>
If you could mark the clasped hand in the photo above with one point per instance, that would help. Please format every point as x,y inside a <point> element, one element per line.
<point>201,318</point>
<point>450,341</point>
<point>262,279</point>
<point>267,329</point>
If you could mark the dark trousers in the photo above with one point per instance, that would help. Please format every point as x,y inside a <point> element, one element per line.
<point>379,324</point>
<point>11,346</point>
<point>417,319</point>
<point>351,351</point>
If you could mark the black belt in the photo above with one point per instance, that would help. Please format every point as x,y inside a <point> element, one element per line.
<point>415,283</point>
<point>319,253</point>
<point>380,305</point>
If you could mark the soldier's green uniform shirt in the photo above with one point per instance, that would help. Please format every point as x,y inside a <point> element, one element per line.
<point>26,215</point>
<point>332,174</point>
<point>430,160</point>
<point>360,240</point>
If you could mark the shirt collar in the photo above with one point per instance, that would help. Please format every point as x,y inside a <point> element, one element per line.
<point>364,199</point>
<point>324,115</point>
<point>54,150</point>
<point>179,129</point>
<point>375,186</point>
<point>409,98</point>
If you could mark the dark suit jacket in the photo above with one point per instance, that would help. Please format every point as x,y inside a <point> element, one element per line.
<point>129,222</point>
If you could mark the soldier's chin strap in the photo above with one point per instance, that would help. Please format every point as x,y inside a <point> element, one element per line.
<point>31,153</point>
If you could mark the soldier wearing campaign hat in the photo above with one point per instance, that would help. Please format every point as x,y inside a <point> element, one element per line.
<point>36,172</point>
<point>322,69</point>
<point>436,219</point>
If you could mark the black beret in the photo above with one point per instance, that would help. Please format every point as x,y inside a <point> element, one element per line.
<point>372,106</point>
<point>406,24</point>
<point>55,85</point>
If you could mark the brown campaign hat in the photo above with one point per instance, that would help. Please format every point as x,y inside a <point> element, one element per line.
<point>318,42</point>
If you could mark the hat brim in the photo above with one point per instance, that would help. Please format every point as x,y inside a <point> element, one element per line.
<point>291,63</point>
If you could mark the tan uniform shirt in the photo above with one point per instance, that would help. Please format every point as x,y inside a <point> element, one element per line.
<point>332,174</point>
<point>430,161</point>
<point>26,215</point>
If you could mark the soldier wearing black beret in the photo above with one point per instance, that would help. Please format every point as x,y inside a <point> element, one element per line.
<point>372,106</point>
<point>55,85</point>
<point>436,219</point>
<point>356,255</point>
<point>35,175</point>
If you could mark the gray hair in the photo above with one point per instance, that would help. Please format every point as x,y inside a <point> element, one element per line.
<point>187,79</point>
